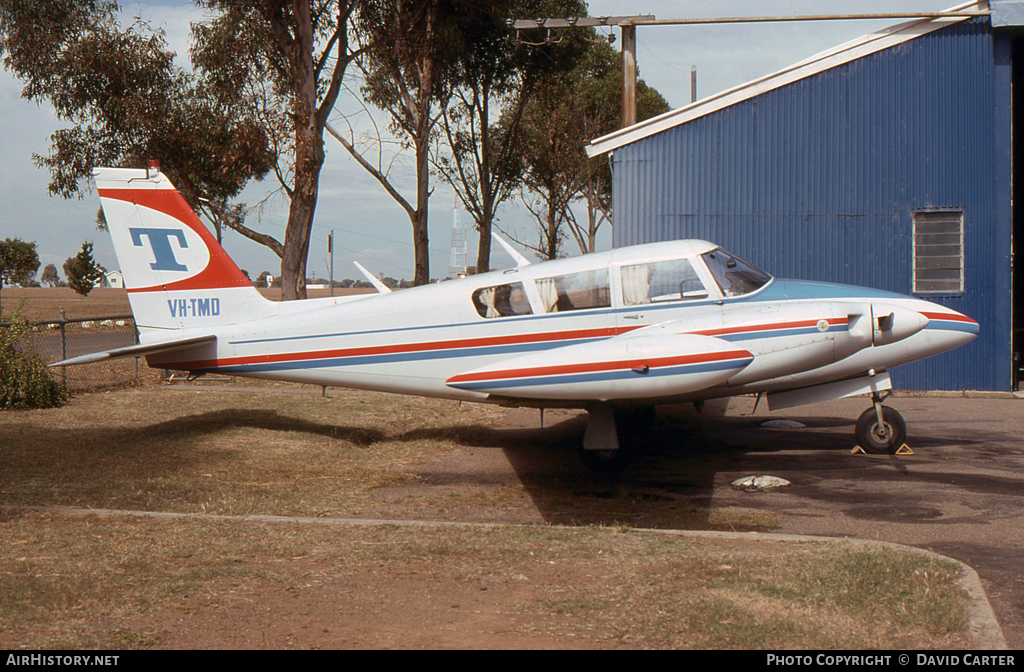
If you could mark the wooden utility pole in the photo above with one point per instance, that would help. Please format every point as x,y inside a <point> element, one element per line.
<point>628,74</point>
<point>330,248</point>
<point>628,25</point>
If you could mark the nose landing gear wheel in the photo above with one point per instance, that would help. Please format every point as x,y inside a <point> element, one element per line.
<point>883,438</point>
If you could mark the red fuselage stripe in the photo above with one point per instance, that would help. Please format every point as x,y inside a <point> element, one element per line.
<point>413,347</point>
<point>519,339</point>
<point>952,317</point>
<point>769,327</point>
<point>591,367</point>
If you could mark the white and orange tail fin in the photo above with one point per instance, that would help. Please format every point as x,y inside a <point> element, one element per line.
<point>177,275</point>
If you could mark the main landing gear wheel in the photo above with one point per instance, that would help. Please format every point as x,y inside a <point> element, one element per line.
<point>621,427</point>
<point>883,438</point>
<point>606,461</point>
<point>635,421</point>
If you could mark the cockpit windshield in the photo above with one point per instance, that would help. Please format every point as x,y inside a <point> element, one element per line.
<point>733,275</point>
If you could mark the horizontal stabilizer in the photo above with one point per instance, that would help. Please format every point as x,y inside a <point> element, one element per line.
<point>139,350</point>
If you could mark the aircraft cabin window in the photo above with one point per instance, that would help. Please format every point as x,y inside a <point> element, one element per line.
<point>733,275</point>
<point>670,280</point>
<point>502,301</point>
<point>575,291</point>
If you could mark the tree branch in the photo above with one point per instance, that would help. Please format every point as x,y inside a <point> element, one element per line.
<point>379,176</point>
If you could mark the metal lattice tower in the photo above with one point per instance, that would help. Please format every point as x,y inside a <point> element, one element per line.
<point>457,261</point>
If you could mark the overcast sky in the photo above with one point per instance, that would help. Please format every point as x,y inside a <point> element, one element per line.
<point>369,226</point>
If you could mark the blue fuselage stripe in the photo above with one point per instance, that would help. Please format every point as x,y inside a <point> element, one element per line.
<point>603,376</point>
<point>950,325</point>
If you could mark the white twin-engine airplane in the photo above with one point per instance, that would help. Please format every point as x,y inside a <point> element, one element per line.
<point>616,333</point>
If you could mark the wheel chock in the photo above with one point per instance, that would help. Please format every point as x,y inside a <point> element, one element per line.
<point>902,450</point>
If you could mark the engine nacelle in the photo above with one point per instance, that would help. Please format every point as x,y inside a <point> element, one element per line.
<point>894,323</point>
<point>626,367</point>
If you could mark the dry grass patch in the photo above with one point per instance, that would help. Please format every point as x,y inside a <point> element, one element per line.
<point>45,303</point>
<point>129,583</point>
<point>106,583</point>
<point>219,452</point>
<point>666,593</point>
<point>288,451</point>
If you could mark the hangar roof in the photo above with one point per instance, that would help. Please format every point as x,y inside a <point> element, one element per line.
<point>858,48</point>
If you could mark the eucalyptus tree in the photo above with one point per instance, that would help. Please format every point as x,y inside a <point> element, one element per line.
<point>125,100</point>
<point>409,48</point>
<point>493,78</point>
<point>267,74</point>
<point>568,110</point>
<point>282,62</point>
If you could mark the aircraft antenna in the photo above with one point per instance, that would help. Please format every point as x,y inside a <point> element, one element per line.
<point>520,259</point>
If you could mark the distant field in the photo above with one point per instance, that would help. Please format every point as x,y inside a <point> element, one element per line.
<point>45,303</point>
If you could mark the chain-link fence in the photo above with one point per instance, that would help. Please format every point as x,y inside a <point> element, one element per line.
<point>62,339</point>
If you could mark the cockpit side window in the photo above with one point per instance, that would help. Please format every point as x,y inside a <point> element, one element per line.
<point>502,301</point>
<point>733,275</point>
<point>575,291</point>
<point>653,282</point>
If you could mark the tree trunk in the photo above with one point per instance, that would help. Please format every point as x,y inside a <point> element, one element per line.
<point>552,234</point>
<point>424,124</point>
<point>309,159</point>
<point>420,235</point>
<point>483,250</point>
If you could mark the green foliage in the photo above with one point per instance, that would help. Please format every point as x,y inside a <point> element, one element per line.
<point>50,276</point>
<point>569,109</point>
<point>19,261</point>
<point>493,78</point>
<point>82,270</point>
<point>25,382</point>
<point>126,100</point>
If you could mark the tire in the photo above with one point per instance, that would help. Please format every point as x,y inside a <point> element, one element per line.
<point>606,461</point>
<point>630,424</point>
<point>634,420</point>
<point>885,440</point>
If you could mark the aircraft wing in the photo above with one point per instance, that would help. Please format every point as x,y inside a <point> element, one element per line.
<point>627,367</point>
<point>139,350</point>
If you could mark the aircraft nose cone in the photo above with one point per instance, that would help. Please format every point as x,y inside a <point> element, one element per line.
<point>952,322</point>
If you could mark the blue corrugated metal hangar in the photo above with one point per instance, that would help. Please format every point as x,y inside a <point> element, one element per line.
<point>887,162</point>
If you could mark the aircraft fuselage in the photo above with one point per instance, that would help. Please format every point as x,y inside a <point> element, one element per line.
<point>425,340</point>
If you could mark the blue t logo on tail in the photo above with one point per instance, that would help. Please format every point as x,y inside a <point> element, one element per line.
<point>160,240</point>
